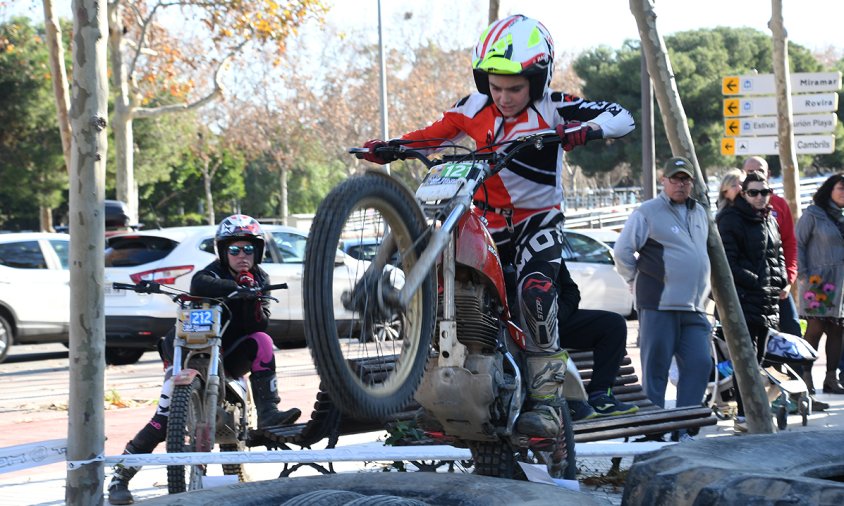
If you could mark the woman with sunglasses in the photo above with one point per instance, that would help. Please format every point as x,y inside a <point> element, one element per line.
<point>754,251</point>
<point>247,348</point>
<point>820,275</point>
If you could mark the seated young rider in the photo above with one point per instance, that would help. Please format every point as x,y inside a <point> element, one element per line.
<point>246,346</point>
<point>512,65</point>
<point>602,332</point>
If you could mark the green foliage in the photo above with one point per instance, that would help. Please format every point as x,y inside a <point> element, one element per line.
<point>699,58</point>
<point>32,169</point>
<point>179,196</point>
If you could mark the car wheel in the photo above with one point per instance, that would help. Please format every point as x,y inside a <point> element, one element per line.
<point>6,338</point>
<point>123,356</point>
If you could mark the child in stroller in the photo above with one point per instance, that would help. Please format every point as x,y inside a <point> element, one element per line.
<point>786,387</point>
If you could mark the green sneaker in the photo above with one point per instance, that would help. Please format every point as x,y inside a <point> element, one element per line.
<point>581,410</point>
<point>607,405</point>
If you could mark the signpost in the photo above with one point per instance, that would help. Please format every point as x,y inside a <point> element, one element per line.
<point>767,125</point>
<point>769,145</point>
<point>751,124</point>
<point>763,84</point>
<point>761,106</point>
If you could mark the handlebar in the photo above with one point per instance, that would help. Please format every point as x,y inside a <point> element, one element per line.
<point>241,293</point>
<point>398,148</point>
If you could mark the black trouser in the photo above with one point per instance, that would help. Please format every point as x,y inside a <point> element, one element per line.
<point>603,332</point>
<point>759,338</point>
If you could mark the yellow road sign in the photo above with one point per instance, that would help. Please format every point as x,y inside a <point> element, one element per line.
<point>730,85</point>
<point>731,107</point>
<point>728,147</point>
<point>732,127</point>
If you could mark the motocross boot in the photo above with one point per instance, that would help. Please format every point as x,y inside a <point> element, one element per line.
<point>545,374</point>
<point>118,489</point>
<point>266,401</point>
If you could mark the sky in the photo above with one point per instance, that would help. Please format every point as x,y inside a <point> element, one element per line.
<point>578,25</point>
<point>575,25</point>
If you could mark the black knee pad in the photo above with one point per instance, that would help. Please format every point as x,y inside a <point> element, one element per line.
<point>538,298</point>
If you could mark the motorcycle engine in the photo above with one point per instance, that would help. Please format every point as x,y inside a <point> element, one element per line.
<point>478,325</point>
<point>470,402</point>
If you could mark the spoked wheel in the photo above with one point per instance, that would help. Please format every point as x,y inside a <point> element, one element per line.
<point>184,434</point>
<point>370,352</point>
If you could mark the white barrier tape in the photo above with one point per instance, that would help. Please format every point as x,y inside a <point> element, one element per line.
<point>373,452</point>
<point>73,465</point>
<point>345,454</point>
<point>25,456</point>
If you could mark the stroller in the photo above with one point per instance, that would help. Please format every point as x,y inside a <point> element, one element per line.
<point>782,351</point>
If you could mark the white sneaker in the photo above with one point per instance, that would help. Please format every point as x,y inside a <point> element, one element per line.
<point>740,424</point>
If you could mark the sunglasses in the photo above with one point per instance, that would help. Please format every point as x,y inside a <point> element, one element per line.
<point>764,193</point>
<point>235,250</point>
<point>680,180</point>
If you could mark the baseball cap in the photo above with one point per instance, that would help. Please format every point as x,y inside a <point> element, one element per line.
<point>676,165</point>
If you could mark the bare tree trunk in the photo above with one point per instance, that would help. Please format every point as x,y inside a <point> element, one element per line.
<point>88,115</point>
<point>785,133</point>
<point>648,146</point>
<point>207,176</point>
<point>729,309</point>
<point>283,209</point>
<point>494,8</point>
<point>59,76</point>
<point>45,215</point>
<point>122,117</point>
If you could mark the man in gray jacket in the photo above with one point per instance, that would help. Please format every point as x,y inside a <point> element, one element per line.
<point>670,279</point>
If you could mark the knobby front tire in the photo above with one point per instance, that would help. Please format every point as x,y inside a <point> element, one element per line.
<point>370,358</point>
<point>186,411</point>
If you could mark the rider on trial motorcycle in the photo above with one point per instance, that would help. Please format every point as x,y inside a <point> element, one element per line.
<point>512,65</point>
<point>239,242</point>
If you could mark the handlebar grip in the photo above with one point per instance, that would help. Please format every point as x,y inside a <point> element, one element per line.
<point>142,287</point>
<point>358,152</point>
<point>280,286</point>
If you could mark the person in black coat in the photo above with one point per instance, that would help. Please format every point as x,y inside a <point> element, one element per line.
<point>754,251</point>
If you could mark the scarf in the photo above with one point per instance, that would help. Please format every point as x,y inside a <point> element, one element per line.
<point>836,214</point>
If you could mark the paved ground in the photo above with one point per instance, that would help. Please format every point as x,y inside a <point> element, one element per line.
<point>32,413</point>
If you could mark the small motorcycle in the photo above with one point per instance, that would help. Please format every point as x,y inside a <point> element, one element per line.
<point>436,272</point>
<point>207,406</point>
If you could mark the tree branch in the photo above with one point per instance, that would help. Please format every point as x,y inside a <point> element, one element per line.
<point>150,112</point>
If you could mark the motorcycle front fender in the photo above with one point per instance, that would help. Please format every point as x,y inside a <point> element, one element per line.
<point>185,377</point>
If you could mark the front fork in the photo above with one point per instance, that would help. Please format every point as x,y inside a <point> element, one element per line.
<point>206,428</point>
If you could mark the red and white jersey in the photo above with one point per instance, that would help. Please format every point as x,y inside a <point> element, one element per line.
<point>533,180</point>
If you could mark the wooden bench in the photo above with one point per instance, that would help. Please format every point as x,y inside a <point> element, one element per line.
<point>649,420</point>
<point>326,421</point>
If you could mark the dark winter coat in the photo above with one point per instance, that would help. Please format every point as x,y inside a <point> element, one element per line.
<point>248,316</point>
<point>754,252</point>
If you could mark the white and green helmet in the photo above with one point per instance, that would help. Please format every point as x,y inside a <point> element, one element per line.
<point>515,45</point>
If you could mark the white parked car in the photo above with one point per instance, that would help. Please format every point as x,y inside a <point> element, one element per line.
<point>171,256</point>
<point>34,289</point>
<point>592,266</point>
